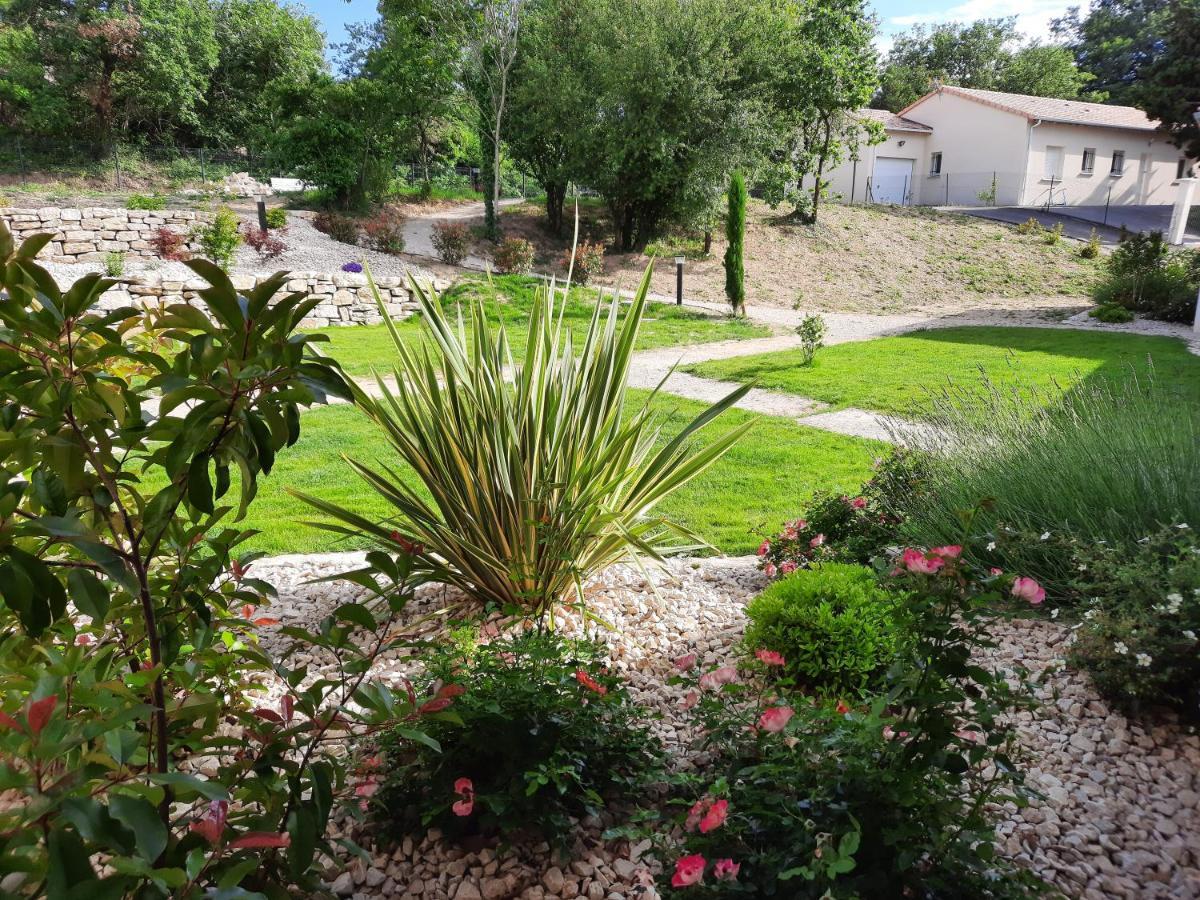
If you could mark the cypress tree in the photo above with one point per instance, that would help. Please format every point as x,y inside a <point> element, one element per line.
<point>735,236</point>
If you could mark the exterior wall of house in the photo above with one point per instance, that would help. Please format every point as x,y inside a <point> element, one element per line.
<point>851,182</point>
<point>1148,177</point>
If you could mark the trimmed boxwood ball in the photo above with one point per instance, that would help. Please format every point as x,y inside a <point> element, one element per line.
<point>835,626</point>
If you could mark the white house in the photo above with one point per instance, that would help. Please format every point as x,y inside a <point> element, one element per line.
<point>961,146</point>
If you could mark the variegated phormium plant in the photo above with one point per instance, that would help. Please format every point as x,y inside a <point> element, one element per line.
<point>536,471</point>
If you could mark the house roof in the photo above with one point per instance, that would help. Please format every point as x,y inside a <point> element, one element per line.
<point>893,121</point>
<point>1050,109</point>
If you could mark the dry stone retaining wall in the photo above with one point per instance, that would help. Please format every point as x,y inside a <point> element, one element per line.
<point>86,235</point>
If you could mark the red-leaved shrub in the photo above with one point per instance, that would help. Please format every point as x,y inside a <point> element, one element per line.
<point>170,245</point>
<point>267,244</point>
<point>513,257</point>
<point>451,240</point>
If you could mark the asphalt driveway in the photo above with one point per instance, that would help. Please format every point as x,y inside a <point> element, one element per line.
<point>1078,221</point>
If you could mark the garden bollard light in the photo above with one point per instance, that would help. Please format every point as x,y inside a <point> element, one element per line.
<point>679,281</point>
<point>262,212</point>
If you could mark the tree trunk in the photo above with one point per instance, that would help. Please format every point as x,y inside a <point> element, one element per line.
<point>556,194</point>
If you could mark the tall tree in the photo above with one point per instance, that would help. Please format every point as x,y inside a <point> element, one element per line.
<point>826,71</point>
<point>1043,70</point>
<point>735,246</point>
<point>1169,88</point>
<point>973,56</point>
<point>1115,40</point>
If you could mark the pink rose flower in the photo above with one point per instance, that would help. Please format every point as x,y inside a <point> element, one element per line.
<point>859,502</point>
<point>1027,589</point>
<point>775,718</point>
<point>726,870</point>
<point>689,870</point>
<point>971,737</point>
<point>787,568</point>
<point>718,677</point>
<point>950,551</point>
<point>686,662</point>
<point>995,570</point>
<point>817,541</point>
<point>921,563</point>
<point>769,568</point>
<point>690,699</point>
<point>715,817</point>
<point>890,734</point>
<point>770,657</point>
<point>764,548</point>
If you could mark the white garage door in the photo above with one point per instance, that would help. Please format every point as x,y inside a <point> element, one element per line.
<point>891,180</point>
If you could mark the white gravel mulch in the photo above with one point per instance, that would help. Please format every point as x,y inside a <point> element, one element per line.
<point>1121,816</point>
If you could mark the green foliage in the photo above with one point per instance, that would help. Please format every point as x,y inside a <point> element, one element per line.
<point>735,250</point>
<point>542,729</point>
<point>1091,250</point>
<point>836,628</point>
<point>277,217</point>
<point>114,264</point>
<point>1110,462</point>
<point>146,201</point>
<point>341,228</point>
<point>451,241</point>
<point>385,231</point>
<point>1053,236</point>
<point>584,262</point>
<point>131,641</point>
<point>534,472</point>
<point>1116,42</point>
<point>1138,635</point>
<point>1030,226</point>
<point>514,256</point>
<point>219,239</point>
<point>1111,313</point>
<point>896,795</point>
<point>812,337</point>
<point>1143,274</point>
<point>1165,88</point>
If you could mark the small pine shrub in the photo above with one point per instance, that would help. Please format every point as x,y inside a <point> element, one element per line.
<point>1091,250</point>
<point>341,228</point>
<point>1030,226</point>
<point>265,243</point>
<point>219,239</point>
<point>1053,236</point>
<point>146,201</point>
<point>514,256</point>
<point>114,264</point>
<point>451,241</point>
<point>170,245</point>
<point>385,231</point>
<point>1145,276</point>
<point>589,261</point>
<point>1111,313</point>
<point>834,625</point>
<point>277,217</point>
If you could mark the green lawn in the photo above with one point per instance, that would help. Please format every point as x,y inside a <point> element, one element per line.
<point>359,348</point>
<point>759,483</point>
<point>901,374</point>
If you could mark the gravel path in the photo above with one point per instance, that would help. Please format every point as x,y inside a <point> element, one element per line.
<point>1121,816</point>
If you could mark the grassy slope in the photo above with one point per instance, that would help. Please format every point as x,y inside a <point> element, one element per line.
<point>759,483</point>
<point>897,374</point>
<point>361,347</point>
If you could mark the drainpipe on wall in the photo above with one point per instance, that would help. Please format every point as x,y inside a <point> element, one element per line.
<point>1028,150</point>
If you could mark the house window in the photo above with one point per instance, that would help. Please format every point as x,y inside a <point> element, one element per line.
<point>1089,161</point>
<point>1183,169</point>
<point>935,163</point>
<point>1118,163</point>
<point>1052,163</point>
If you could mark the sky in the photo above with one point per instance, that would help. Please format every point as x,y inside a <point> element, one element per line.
<point>1033,16</point>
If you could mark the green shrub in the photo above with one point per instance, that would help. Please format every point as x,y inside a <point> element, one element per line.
<point>541,729</point>
<point>114,264</point>
<point>1111,313</point>
<point>588,261</point>
<point>1030,226</point>
<point>219,239</point>
<point>146,201</point>
<point>894,796</point>
<point>1139,638</point>
<point>1110,461</point>
<point>514,256</point>
<point>341,228</point>
<point>1091,250</point>
<point>451,241</point>
<point>1053,236</point>
<point>535,472</point>
<point>1144,275</point>
<point>834,625</point>
<point>277,217</point>
<point>735,249</point>
<point>812,337</point>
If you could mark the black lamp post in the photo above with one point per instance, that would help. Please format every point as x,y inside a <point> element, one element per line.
<point>679,281</point>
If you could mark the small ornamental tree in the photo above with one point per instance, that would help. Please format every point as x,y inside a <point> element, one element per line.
<point>133,757</point>
<point>735,250</point>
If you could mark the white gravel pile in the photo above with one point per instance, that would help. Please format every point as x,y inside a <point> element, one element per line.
<point>1121,816</point>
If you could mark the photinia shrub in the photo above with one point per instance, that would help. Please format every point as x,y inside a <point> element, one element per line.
<point>169,245</point>
<point>385,231</point>
<point>139,753</point>
<point>266,243</point>
<point>451,241</point>
<point>588,259</point>
<point>514,256</point>
<point>529,731</point>
<point>893,794</point>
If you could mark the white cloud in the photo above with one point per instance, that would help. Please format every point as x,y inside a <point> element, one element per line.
<point>1033,17</point>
